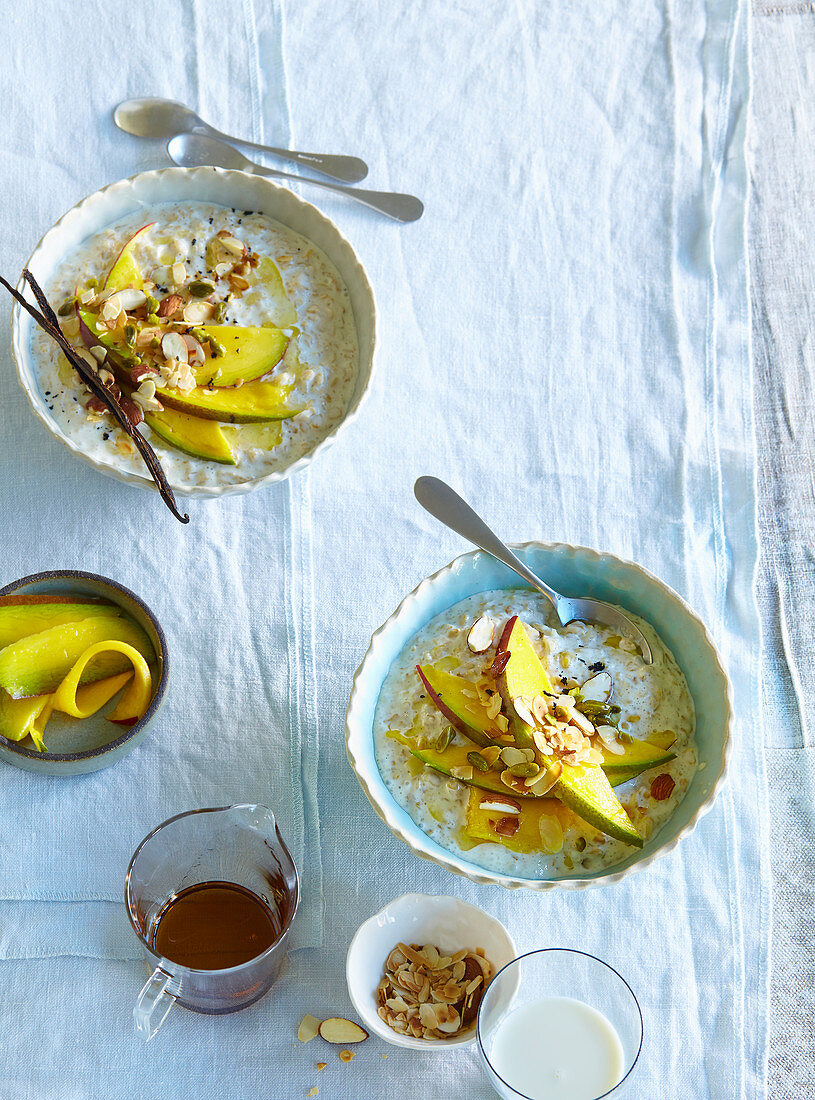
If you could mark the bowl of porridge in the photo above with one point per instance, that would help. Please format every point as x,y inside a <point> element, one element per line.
<point>513,750</point>
<point>232,317</point>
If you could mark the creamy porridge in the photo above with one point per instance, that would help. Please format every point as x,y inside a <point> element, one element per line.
<point>563,757</point>
<point>290,313</point>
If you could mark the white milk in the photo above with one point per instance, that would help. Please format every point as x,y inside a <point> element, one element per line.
<point>557,1049</point>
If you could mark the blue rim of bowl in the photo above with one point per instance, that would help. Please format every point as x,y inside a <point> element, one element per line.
<point>586,955</point>
<point>473,871</point>
<point>158,696</point>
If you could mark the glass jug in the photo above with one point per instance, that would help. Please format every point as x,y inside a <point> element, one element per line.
<point>238,845</point>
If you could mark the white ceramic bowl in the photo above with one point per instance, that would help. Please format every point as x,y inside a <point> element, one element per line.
<point>577,571</point>
<point>232,189</point>
<point>448,924</point>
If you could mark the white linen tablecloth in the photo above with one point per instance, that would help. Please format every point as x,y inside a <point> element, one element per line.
<point>565,338</point>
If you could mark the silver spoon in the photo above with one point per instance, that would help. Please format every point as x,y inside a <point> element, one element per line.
<point>195,150</point>
<point>164,118</point>
<point>446,505</point>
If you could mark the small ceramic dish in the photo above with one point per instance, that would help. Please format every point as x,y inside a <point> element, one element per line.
<point>573,570</point>
<point>240,190</point>
<point>445,922</point>
<point>76,747</point>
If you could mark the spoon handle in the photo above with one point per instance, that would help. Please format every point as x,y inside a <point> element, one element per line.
<point>404,208</point>
<point>446,505</point>
<point>348,169</point>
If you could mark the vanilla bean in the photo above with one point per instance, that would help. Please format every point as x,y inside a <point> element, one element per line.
<point>47,320</point>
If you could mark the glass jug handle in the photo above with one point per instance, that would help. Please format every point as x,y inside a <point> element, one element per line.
<point>153,1004</point>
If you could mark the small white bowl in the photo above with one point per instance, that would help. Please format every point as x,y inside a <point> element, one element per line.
<point>446,922</point>
<point>230,189</point>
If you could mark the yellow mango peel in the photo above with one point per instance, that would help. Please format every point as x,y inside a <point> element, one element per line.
<point>83,702</point>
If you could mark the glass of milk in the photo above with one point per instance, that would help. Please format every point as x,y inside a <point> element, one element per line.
<point>558,1024</point>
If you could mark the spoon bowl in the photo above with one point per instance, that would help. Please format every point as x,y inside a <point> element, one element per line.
<point>161,119</point>
<point>445,505</point>
<point>201,150</point>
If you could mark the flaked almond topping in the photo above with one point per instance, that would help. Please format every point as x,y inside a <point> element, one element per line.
<point>544,783</point>
<point>197,313</point>
<point>608,735</point>
<point>551,834</point>
<point>174,347</point>
<point>500,804</point>
<point>194,349</point>
<point>105,377</point>
<point>582,722</point>
<point>521,707</point>
<point>481,634</point>
<point>178,273</point>
<point>222,269</point>
<point>494,706</point>
<point>308,1029</point>
<point>233,245</point>
<point>70,326</point>
<point>598,689</point>
<point>83,353</point>
<point>238,283</point>
<point>111,308</point>
<point>512,755</point>
<point>130,298</point>
<point>541,739</point>
<point>540,708</point>
<point>86,297</point>
<point>463,773</point>
<point>99,353</point>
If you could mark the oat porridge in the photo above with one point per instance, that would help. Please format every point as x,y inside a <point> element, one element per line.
<point>530,748</point>
<point>231,338</point>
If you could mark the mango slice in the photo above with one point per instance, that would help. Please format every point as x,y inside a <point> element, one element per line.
<point>125,271</point>
<point>23,615</point>
<point>459,702</point>
<point>83,702</point>
<point>249,353</point>
<point>252,403</point>
<point>36,664</point>
<point>192,435</point>
<point>17,716</point>
<point>479,826</point>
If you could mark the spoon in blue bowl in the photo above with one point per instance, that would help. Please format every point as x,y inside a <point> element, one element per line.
<point>445,505</point>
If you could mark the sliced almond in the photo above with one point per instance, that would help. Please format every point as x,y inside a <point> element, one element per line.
<point>99,353</point>
<point>174,347</point>
<point>522,709</point>
<point>132,298</point>
<point>111,308</point>
<point>544,783</point>
<point>465,774</point>
<point>308,1029</point>
<point>512,755</point>
<point>584,724</point>
<point>198,312</point>
<point>540,708</point>
<point>501,804</point>
<point>195,352</point>
<point>551,834</point>
<point>598,689</point>
<point>481,634</point>
<point>233,245</point>
<point>608,735</point>
<point>341,1031</point>
<point>179,273</point>
<point>491,754</point>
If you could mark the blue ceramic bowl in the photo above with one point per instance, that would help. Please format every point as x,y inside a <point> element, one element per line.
<point>575,571</point>
<point>76,747</point>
